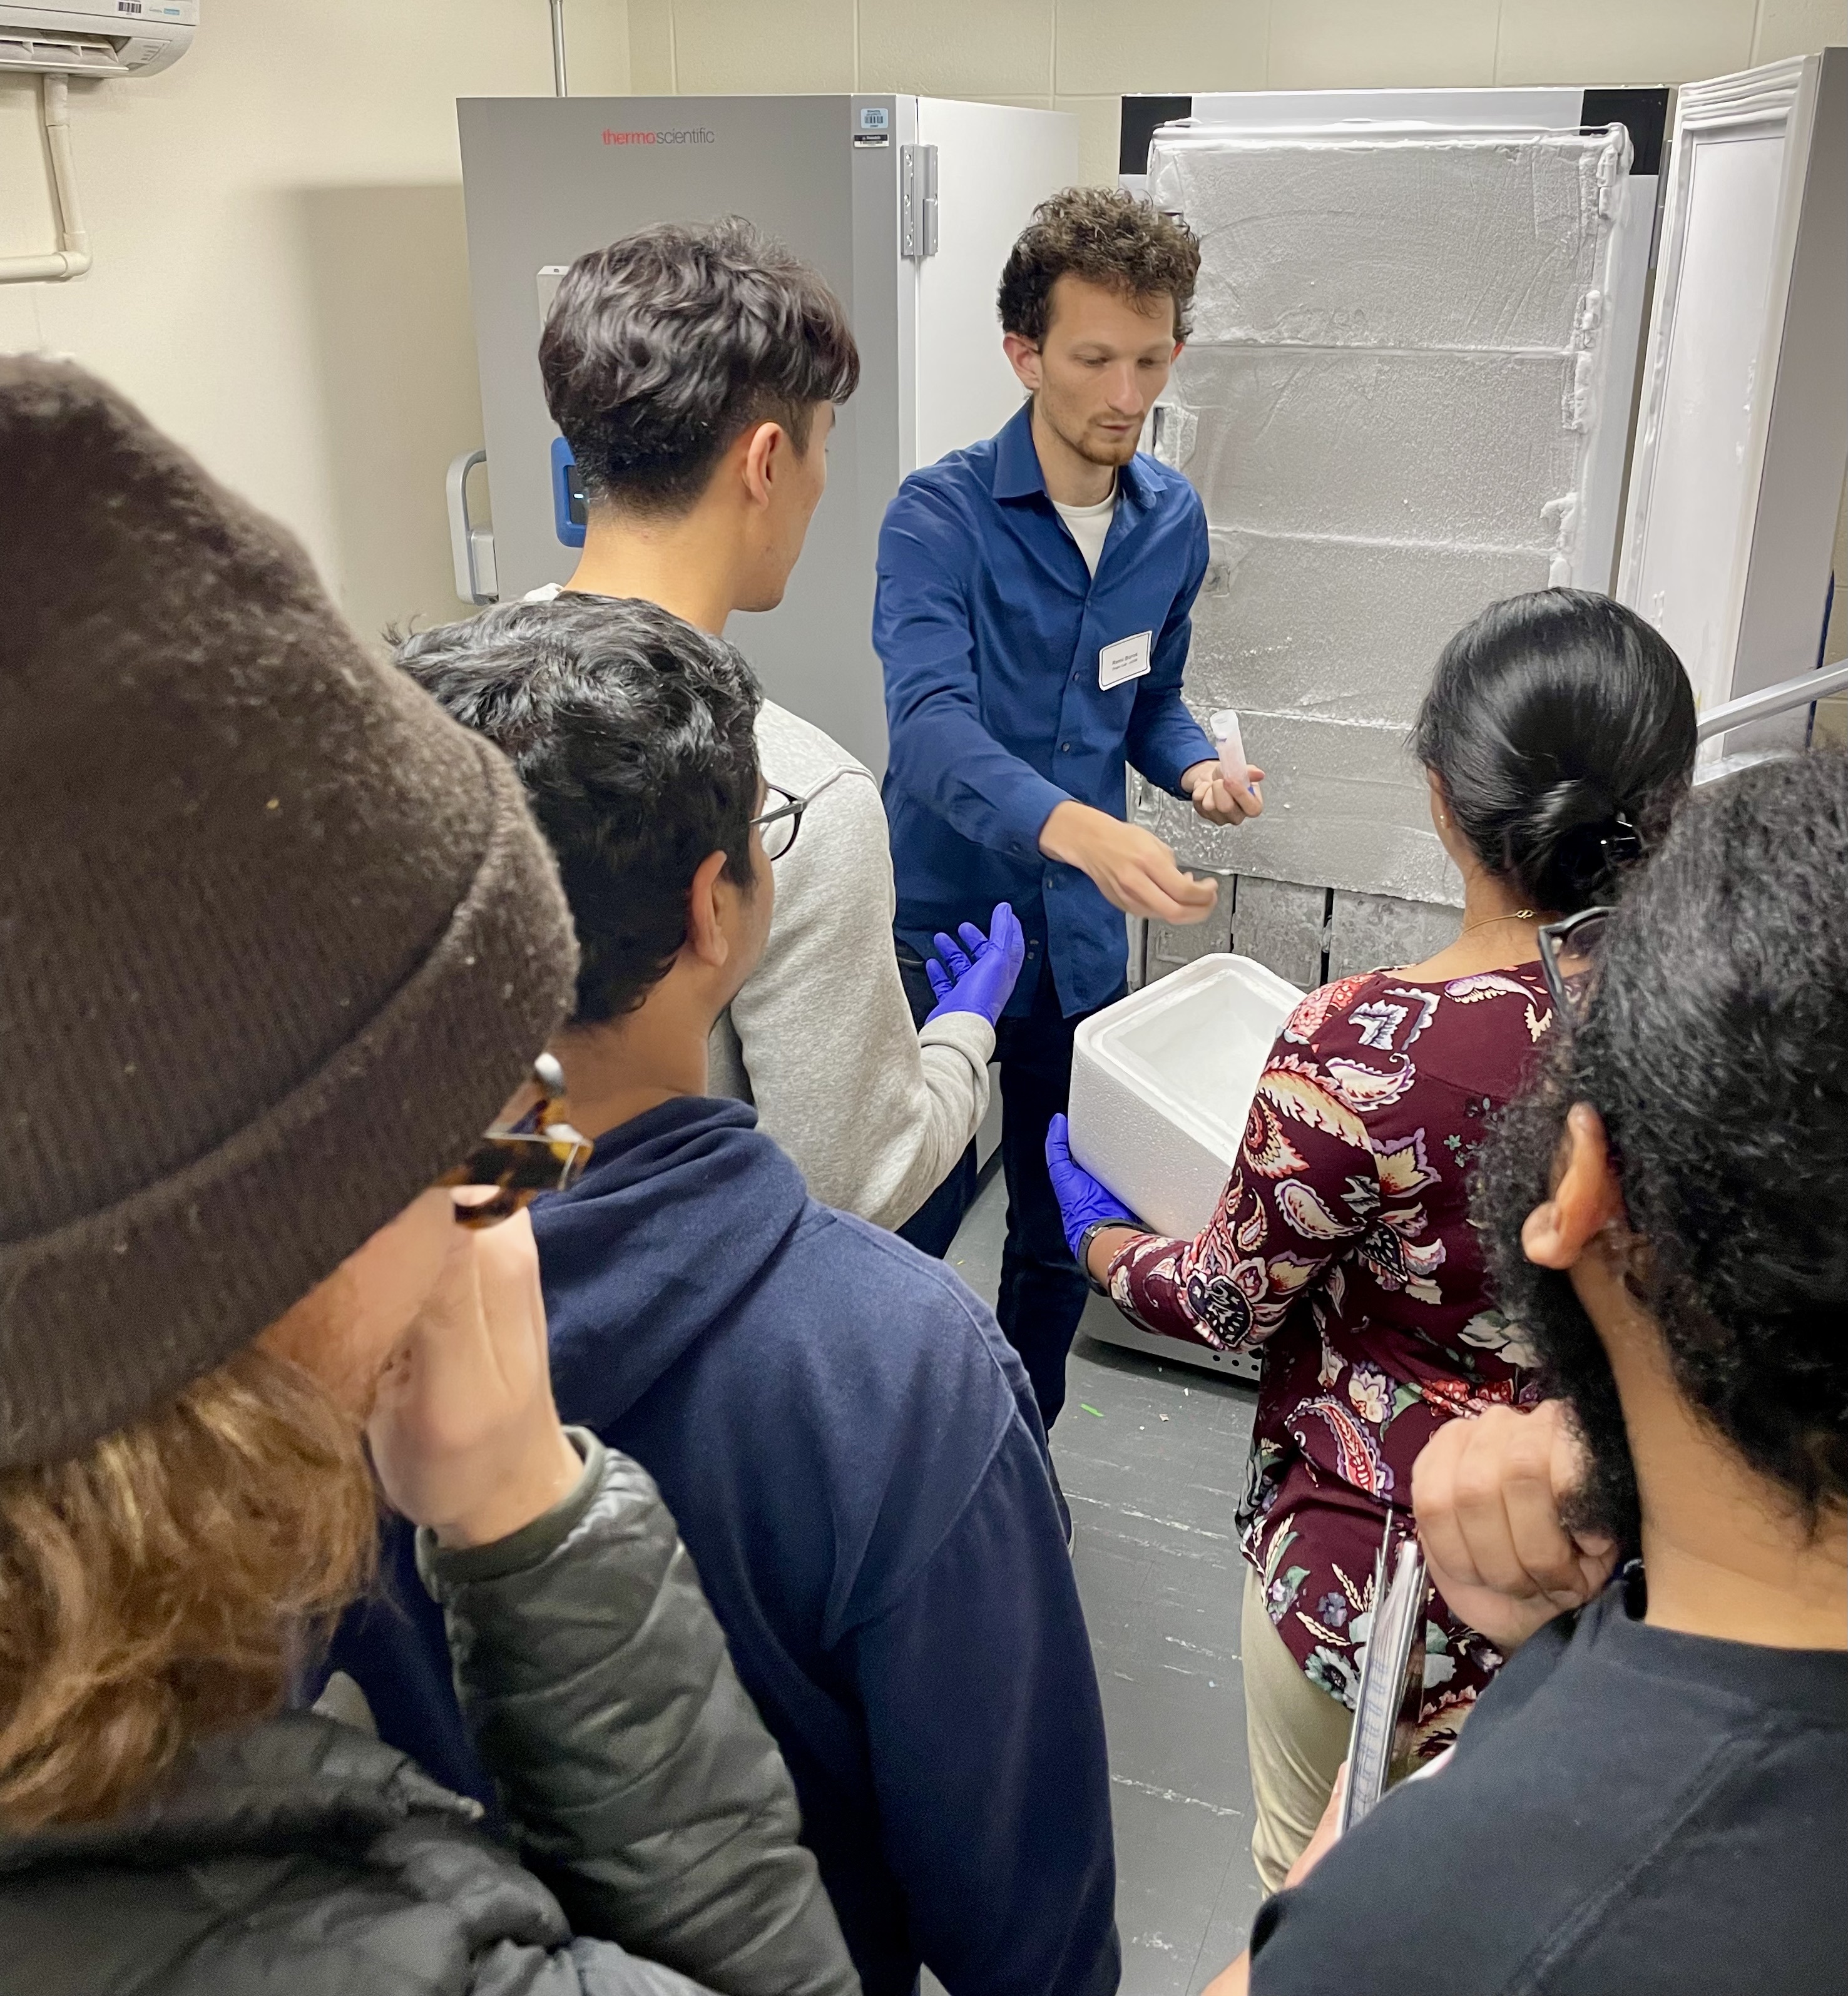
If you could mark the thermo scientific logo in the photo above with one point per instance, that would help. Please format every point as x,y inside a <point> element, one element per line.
<point>694,135</point>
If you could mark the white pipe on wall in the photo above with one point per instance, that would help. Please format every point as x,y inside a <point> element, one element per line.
<point>73,258</point>
<point>559,85</point>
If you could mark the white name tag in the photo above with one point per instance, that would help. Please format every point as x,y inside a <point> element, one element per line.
<point>1127,660</point>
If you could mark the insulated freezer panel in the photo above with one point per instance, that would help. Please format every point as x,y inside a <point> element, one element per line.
<point>1396,409</point>
<point>1344,628</point>
<point>1377,931</point>
<point>1398,234</point>
<point>1456,450</point>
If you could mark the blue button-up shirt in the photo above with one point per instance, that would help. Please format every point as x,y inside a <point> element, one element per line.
<point>990,626</point>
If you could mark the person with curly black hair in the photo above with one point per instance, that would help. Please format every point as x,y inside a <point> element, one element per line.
<point>1654,1792</point>
<point>1033,617</point>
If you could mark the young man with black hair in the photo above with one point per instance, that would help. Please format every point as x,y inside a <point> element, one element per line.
<point>1035,594</point>
<point>1652,1795</point>
<point>694,373</point>
<point>850,1447</point>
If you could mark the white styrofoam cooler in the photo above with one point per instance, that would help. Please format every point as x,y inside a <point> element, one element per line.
<point>1162,1081</point>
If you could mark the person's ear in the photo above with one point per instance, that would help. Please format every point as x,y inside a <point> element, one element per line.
<point>1442,816</point>
<point>707,942</point>
<point>1025,360</point>
<point>765,449</point>
<point>1585,1198</point>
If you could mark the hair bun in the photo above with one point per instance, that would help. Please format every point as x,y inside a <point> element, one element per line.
<point>1560,728</point>
<point>1622,843</point>
<point>1570,844</point>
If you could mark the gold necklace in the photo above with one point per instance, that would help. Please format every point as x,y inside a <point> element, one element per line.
<point>1489,921</point>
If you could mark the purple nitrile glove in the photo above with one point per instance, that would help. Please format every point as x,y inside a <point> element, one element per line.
<point>978,976</point>
<point>1083,1202</point>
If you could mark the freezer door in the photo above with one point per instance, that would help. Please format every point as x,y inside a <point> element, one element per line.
<point>995,164</point>
<point>1742,428</point>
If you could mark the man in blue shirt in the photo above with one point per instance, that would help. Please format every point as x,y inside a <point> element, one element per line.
<point>1034,612</point>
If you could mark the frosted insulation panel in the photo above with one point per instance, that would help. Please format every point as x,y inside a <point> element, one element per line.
<point>1394,406</point>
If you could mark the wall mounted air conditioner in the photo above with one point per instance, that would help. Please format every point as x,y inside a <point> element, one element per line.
<point>96,37</point>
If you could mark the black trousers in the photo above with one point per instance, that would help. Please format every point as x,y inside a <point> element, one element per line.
<point>1043,1292</point>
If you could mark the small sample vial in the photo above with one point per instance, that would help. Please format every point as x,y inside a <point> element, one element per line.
<point>1233,765</point>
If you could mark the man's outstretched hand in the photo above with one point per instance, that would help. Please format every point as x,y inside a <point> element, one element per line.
<point>1134,870</point>
<point>1215,798</point>
<point>1487,1492</point>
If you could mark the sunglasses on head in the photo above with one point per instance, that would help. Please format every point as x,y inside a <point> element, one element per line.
<point>516,1162</point>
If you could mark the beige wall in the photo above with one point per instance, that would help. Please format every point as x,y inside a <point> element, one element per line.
<point>1081,55</point>
<point>281,274</point>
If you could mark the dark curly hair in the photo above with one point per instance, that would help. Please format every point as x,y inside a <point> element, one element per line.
<point>633,733</point>
<point>1105,236</point>
<point>661,350</point>
<point>1714,1045</point>
<point>1561,727</point>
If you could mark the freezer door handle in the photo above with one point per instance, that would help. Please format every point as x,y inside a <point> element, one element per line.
<point>471,547</point>
<point>1802,691</point>
<point>917,201</point>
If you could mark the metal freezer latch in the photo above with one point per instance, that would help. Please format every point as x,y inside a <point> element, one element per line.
<point>917,201</point>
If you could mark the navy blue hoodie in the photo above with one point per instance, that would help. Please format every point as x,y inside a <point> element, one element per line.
<point>853,1454</point>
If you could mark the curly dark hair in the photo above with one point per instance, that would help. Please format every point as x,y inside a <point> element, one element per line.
<point>1714,1043</point>
<point>633,733</point>
<point>1562,728</point>
<point>1105,236</point>
<point>659,351</point>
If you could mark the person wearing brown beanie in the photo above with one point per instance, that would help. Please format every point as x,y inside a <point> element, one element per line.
<point>278,947</point>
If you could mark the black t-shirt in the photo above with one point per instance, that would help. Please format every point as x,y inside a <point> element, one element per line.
<point>1628,1810</point>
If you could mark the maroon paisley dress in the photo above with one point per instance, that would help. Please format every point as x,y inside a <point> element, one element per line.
<point>1342,1245</point>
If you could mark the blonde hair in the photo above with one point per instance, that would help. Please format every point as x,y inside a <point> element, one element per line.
<point>160,1586</point>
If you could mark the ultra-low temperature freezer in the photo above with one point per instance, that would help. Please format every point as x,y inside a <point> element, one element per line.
<point>906,205</point>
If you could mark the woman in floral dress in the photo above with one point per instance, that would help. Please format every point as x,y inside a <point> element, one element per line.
<point>1557,736</point>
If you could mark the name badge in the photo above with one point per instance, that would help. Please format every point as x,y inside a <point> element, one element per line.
<point>1127,660</point>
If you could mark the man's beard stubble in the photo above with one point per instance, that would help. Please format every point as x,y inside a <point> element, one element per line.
<point>1513,1175</point>
<point>1094,449</point>
<point>1574,1368</point>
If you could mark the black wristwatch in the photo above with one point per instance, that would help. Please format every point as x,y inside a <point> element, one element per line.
<point>1090,1233</point>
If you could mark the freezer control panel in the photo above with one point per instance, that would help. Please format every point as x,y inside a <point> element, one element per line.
<point>569,515</point>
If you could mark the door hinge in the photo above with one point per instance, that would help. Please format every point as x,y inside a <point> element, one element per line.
<point>917,201</point>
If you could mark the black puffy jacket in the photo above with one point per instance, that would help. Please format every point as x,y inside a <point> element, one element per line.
<point>300,1856</point>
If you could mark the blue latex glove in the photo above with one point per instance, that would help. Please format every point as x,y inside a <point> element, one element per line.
<point>1083,1202</point>
<point>979,975</point>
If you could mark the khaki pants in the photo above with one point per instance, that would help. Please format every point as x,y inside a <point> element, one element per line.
<point>1295,1740</point>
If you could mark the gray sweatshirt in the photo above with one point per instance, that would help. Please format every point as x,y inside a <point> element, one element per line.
<point>873,1110</point>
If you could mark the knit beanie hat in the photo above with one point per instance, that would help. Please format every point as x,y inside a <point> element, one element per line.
<point>278,937</point>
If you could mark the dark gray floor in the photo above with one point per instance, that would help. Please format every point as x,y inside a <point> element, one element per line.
<point>1152,1457</point>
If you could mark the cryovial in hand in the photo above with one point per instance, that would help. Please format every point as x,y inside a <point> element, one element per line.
<point>1232,764</point>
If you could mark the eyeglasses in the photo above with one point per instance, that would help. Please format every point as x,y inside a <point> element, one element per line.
<point>778,825</point>
<point>1568,952</point>
<point>540,1153</point>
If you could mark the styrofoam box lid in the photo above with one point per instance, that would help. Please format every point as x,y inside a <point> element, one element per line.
<point>1162,1081</point>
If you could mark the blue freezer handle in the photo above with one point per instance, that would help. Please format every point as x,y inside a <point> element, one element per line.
<point>569,515</point>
